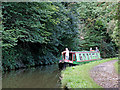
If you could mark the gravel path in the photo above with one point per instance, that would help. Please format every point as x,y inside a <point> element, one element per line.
<point>104,75</point>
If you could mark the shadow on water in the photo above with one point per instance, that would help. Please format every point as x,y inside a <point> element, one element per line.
<point>39,77</point>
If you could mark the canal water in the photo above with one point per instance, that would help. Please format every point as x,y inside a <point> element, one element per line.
<point>39,77</point>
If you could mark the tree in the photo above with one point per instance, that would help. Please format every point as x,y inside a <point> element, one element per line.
<point>95,18</point>
<point>36,33</point>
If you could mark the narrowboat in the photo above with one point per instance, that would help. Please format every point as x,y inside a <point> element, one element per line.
<point>79,57</point>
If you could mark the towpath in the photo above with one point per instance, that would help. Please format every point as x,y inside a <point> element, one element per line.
<point>104,75</point>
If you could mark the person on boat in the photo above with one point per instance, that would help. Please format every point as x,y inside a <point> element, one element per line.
<point>97,50</point>
<point>67,53</point>
<point>91,49</point>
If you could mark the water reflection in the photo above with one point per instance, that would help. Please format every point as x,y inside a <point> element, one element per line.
<point>40,77</point>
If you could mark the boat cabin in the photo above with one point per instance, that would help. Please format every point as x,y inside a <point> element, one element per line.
<point>76,57</point>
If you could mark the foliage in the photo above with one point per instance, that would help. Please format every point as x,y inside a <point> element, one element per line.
<point>78,76</point>
<point>94,27</point>
<point>114,26</point>
<point>35,33</point>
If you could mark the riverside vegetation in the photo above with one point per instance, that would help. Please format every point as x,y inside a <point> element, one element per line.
<point>116,68</point>
<point>35,33</point>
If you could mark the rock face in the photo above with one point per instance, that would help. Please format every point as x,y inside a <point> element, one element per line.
<point>104,75</point>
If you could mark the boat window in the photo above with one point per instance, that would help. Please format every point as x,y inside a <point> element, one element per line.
<point>91,55</point>
<point>84,56</point>
<point>80,56</point>
<point>88,56</point>
<point>96,55</point>
<point>73,56</point>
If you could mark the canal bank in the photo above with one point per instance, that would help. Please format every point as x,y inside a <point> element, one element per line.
<point>79,76</point>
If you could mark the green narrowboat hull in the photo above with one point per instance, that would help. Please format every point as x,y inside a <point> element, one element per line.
<point>83,62</point>
<point>80,57</point>
<point>63,65</point>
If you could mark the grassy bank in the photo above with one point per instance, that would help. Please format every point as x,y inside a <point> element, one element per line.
<point>116,67</point>
<point>78,76</point>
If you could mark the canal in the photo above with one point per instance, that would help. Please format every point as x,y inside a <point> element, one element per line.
<point>39,77</point>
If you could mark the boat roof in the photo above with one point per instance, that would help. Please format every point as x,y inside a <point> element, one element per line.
<point>81,51</point>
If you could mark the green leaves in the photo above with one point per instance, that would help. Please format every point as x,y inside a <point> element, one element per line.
<point>9,38</point>
<point>94,33</point>
<point>37,31</point>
